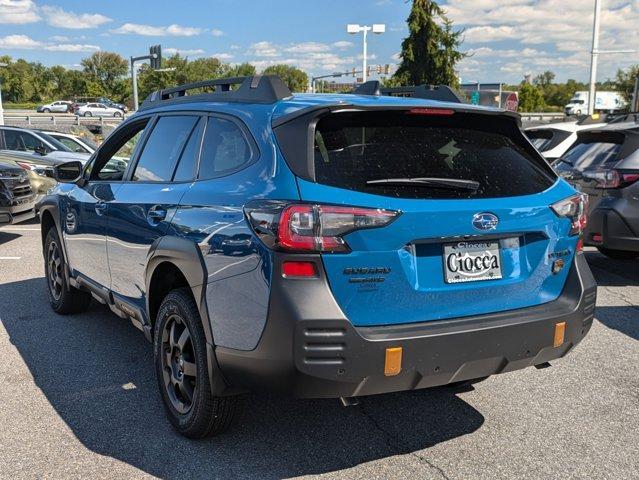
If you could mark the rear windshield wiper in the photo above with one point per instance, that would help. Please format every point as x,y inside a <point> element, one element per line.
<point>448,183</point>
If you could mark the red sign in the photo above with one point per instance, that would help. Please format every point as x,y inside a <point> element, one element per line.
<point>512,102</point>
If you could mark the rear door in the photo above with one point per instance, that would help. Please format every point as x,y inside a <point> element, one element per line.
<point>142,209</point>
<point>475,234</point>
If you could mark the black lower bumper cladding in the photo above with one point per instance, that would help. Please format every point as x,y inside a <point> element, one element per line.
<point>325,356</point>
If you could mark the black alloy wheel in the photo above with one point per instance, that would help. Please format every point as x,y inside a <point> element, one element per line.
<point>178,364</point>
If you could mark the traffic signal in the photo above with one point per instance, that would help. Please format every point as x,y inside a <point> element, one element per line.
<point>379,69</point>
<point>156,56</point>
<point>354,73</point>
<point>368,71</point>
<point>386,69</point>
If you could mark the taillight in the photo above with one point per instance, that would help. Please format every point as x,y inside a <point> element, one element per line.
<point>305,227</point>
<point>612,178</point>
<point>574,208</point>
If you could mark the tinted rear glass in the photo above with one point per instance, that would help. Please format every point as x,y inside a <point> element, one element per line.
<point>591,154</point>
<point>541,139</point>
<point>352,149</point>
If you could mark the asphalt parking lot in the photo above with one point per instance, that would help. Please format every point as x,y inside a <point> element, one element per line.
<point>79,399</point>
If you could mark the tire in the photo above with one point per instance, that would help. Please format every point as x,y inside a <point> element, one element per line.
<point>46,110</point>
<point>88,114</point>
<point>618,254</point>
<point>117,114</point>
<point>191,407</point>
<point>578,112</point>
<point>63,298</point>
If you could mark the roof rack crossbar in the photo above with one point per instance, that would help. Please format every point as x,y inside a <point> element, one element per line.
<point>251,89</point>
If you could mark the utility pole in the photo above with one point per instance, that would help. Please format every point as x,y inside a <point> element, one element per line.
<point>594,54</point>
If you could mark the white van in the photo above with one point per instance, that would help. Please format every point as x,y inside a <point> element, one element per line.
<point>608,102</point>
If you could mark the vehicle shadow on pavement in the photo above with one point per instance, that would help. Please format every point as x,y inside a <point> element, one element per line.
<point>622,319</point>
<point>6,237</point>
<point>613,273</point>
<point>96,371</point>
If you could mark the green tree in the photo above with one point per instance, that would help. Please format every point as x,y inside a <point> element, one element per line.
<point>431,50</point>
<point>530,99</point>
<point>625,81</point>
<point>105,72</point>
<point>293,77</point>
<point>544,79</point>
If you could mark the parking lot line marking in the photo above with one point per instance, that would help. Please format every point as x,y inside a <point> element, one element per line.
<point>18,229</point>
<point>10,258</point>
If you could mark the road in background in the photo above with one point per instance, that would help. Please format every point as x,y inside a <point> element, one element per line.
<point>79,399</point>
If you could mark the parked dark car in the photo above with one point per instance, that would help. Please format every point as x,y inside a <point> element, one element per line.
<point>327,246</point>
<point>17,199</point>
<point>604,163</point>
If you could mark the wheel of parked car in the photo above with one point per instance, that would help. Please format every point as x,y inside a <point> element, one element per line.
<point>64,299</point>
<point>182,373</point>
<point>117,114</point>
<point>618,254</point>
<point>46,110</point>
<point>88,114</point>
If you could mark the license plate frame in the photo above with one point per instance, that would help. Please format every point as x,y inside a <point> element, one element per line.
<point>487,267</point>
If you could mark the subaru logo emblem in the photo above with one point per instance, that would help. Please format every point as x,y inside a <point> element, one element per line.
<point>485,221</point>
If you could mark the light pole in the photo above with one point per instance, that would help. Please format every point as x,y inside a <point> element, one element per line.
<point>594,57</point>
<point>1,109</point>
<point>353,28</point>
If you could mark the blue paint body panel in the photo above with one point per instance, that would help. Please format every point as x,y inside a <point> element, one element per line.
<point>412,247</point>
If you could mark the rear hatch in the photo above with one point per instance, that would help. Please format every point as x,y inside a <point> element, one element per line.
<point>474,231</point>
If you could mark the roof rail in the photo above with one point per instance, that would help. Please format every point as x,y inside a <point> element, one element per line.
<point>252,89</point>
<point>440,93</point>
<point>372,87</point>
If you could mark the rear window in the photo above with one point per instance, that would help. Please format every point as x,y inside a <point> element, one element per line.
<point>546,139</point>
<point>592,152</point>
<point>419,153</point>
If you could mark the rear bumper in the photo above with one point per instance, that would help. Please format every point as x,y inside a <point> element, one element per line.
<point>310,349</point>
<point>608,229</point>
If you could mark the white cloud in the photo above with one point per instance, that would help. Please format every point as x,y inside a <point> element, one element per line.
<point>24,42</point>
<point>72,47</point>
<point>18,42</point>
<point>264,49</point>
<point>57,17</point>
<point>235,47</point>
<point>184,52</point>
<point>18,12</point>
<point>173,30</point>
<point>60,38</point>
<point>307,47</point>
<point>487,33</point>
<point>222,56</point>
<point>217,32</point>
<point>342,44</point>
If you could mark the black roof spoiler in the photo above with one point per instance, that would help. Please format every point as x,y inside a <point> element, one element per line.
<point>440,93</point>
<point>592,119</point>
<point>252,89</point>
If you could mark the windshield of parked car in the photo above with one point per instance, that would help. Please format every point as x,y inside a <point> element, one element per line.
<point>56,143</point>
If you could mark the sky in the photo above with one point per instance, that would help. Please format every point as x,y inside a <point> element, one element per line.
<point>505,39</point>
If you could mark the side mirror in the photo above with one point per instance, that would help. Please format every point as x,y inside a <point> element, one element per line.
<point>40,150</point>
<point>69,172</point>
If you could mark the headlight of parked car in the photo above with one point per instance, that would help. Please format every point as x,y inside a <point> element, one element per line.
<point>38,169</point>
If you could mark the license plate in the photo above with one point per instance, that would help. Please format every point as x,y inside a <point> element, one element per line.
<point>471,261</point>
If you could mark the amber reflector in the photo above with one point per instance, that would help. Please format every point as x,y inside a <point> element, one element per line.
<point>393,364</point>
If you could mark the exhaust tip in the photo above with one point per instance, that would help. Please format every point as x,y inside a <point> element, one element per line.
<point>349,401</point>
<point>543,365</point>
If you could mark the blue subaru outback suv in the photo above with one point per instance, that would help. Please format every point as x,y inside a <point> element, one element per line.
<point>329,246</point>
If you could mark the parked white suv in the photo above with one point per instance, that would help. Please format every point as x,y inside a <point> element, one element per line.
<point>555,139</point>
<point>98,110</point>
<point>59,107</point>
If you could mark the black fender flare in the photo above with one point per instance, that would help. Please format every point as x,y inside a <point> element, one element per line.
<point>49,205</point>
<point>187,257</point>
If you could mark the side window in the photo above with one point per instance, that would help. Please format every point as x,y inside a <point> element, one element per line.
<point>116,152</point>
<point>12,141</point>
<point>187,166</point>
<point>224,148</point>
<point>31,142</point>
<point>163,148</point>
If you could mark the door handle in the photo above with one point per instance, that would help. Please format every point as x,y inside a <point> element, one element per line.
<point>155,215</point>
<point>100,208</point>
